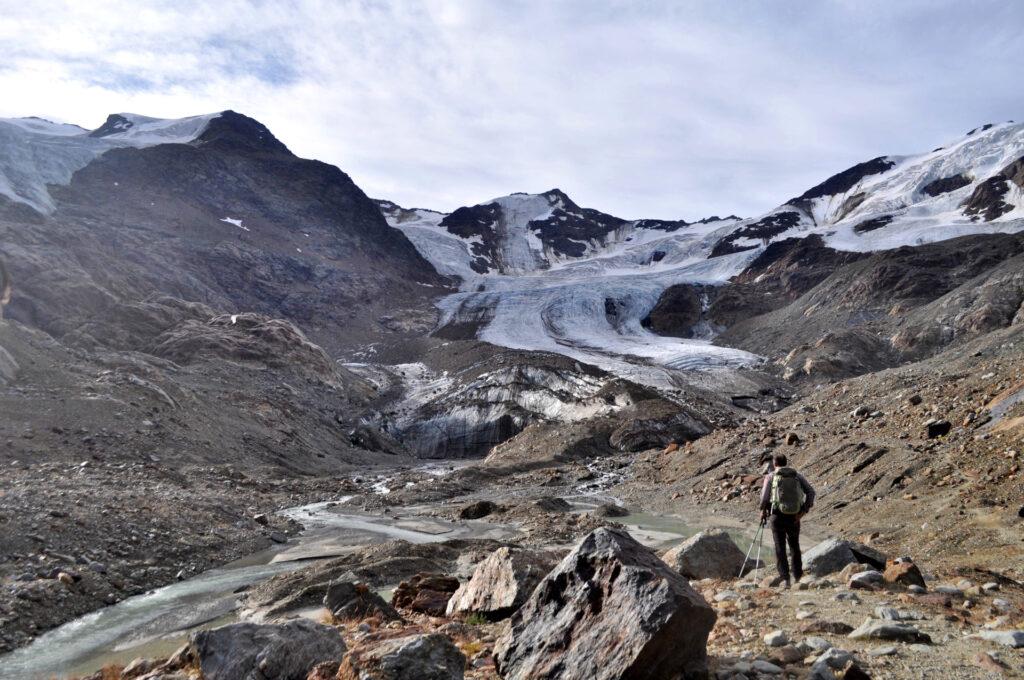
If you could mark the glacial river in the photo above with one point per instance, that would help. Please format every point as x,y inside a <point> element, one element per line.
<point>156,623</point>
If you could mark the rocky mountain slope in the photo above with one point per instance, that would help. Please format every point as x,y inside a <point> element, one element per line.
<point>220,213</point>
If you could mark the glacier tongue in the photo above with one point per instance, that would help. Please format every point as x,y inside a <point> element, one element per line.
<point>588,308</point>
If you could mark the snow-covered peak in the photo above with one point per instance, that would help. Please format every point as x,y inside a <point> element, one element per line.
<point>35,152</point>
<point>970,185</point>
<point>525,233</point>
<point>137,130</point>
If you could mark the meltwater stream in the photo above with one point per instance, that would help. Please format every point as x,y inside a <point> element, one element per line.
<point>156,623</point>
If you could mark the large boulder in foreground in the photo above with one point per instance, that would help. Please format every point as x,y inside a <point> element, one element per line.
<point>250,651</point>
<point>501,583</point>
<point>611,609</point>
<point>417,657</point>
<point>709,554</point>
<point>833,554</point>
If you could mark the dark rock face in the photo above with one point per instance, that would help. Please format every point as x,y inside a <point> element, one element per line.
<point>764,229</point>
<point>944,185</point>
<point>872,224</point>
<point>847,179</point>
<point>477,220</point>
<point>678,311</point>
<point>417,657</point>
<point>570,227</point>
<point>611,609</point>
<point>986,201</point>
<point>244,651</point>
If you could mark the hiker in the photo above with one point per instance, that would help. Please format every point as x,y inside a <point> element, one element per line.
<point>786,496</point>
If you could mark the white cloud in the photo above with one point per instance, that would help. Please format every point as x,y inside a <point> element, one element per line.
<point>654,109</point>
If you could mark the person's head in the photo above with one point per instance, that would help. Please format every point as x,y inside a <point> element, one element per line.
<point>780,461</point>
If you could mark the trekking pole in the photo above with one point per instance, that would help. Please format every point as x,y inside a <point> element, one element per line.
<point>757,560</point>
<point>746,558</point>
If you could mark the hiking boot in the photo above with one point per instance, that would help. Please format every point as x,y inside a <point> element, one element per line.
<point>779,582</point>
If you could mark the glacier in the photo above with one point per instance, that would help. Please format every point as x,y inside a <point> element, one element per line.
<point>590,306</point>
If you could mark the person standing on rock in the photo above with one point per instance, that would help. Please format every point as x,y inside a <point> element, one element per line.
<point>786,496</point>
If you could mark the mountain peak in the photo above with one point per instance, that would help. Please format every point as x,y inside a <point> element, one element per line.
<point>232,130</point>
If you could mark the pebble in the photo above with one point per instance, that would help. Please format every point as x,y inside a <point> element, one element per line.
<point>882,651</point>
<point>816,644</point>
<point>776,638</point>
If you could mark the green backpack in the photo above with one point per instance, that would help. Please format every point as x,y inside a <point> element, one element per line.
<point>787,493</point>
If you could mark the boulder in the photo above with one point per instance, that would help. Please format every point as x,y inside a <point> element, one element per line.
<point>501,583</point>
<point>1006,638</point>
<point>610,510</point>
<point>552,504</point>
<point>425,593</point>
<point>349,600</point>
<point>709,554</point>
<point>611,609</point>
<point>250,651</point>
<point>833,554</point>
<point>865,580</point>
<point>903,572</point>
<point>417,657</point>
<point>477,510</point>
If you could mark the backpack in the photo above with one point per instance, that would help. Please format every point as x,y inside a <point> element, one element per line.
<point>787,493</point>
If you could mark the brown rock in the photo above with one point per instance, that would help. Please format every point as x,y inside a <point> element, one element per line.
<point>425,593</point>
<point>328,670</point>
<point>501,583</point>
<point>903,572</point>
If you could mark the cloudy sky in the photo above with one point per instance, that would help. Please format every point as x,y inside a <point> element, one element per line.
<point>641,109</point>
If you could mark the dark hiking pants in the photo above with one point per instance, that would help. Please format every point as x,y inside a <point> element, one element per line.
<point>786,531</point>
